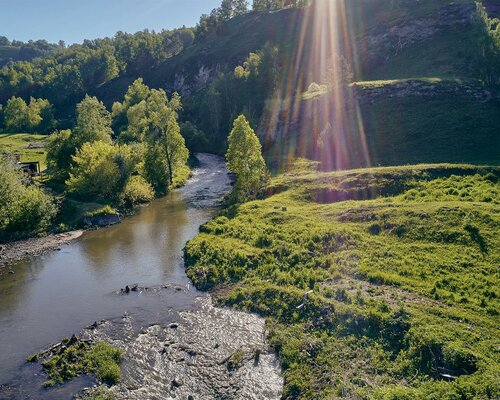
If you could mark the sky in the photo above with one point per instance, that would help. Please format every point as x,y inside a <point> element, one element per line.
<point>75,20</point>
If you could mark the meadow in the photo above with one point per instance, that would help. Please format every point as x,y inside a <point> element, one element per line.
<point>18,143</point>
<point>376,283</point>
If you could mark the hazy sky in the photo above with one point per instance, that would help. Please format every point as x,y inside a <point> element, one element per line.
<point>75,20</point>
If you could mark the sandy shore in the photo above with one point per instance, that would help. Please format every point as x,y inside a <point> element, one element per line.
<point>15,251</point>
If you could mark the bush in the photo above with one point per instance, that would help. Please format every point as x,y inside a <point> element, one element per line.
<point>24,210</point>
<point>75,357</point>
<point>136,191</point>
<point>104,360</point>
<point>95,171</point>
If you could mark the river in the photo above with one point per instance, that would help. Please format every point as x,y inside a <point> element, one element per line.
<point>52,296</point>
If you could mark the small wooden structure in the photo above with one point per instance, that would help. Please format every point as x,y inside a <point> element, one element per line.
<point>30,168</point>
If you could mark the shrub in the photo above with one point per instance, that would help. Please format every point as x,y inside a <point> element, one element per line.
<point>95,171</point>
<point>104,360</point>
<point>136,191</point>
<point>24,210</point>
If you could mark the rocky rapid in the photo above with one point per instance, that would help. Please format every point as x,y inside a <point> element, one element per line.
<point>176,344</point>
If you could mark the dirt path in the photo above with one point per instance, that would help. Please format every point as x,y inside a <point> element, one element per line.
<point>15,251</point>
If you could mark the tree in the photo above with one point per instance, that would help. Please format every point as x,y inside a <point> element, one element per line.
<point>176,151</point>
<point>93,122</point>
<point>61,148</point>
<point>16,114</point>
<point>37,115</point>
<point>244,158</point>
<point>41,115</point>
<point>267,5</point>
<point>156,168</point>
<point>240,7</point>
<point>95,172</point>
<point>164,130</point>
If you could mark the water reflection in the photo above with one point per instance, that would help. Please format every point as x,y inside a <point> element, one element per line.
<point>55,295</point>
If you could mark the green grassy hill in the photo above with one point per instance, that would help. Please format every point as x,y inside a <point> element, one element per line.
<point>391,46</point>
<point>377,283</point>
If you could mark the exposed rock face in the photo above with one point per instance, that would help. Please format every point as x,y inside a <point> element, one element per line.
<point>101,221</point>
<point>210,353</point>
<point>409,32</point>
<point>420,88</point>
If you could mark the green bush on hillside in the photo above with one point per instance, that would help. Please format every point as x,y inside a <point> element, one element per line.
<point>24,209</point>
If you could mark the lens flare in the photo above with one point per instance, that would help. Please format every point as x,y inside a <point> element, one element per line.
<point>315,113</point>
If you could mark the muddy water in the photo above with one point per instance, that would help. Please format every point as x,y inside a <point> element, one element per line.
<point>58,294</point>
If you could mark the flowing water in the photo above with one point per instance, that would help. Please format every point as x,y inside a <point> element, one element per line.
<point>53,296</point>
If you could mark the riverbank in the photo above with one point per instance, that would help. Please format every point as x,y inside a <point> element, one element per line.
<point>175,343</point>
<point>77,217</point>
<point>377,283</point>
<point>205,353</point>
<point>16,251</point>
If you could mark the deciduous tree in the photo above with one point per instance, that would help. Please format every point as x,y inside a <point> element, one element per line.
<point>244,158</point>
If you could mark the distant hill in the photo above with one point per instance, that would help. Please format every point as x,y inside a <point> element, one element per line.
<point>417,93</point>
<point>20,51</point>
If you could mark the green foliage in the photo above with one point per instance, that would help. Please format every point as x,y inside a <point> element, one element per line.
<point>315,90</point>
<point>244,158</point>
<point>376,283</point>
<point>75,357</point>
<point>37,116</point>
<point>488,57</point>
<point>64,74</point>
<point>61,149</point>
<point>93,122</point>
<point>156,168</point>
<point>24,209</point>
<point>95,172</point>
<point>148,116</point>
<point>106,210</point>
<point>104,361</point>
<point>100,393</point>
<point>136,191</point>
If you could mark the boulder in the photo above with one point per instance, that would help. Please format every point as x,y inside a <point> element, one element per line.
<point>103,220</point>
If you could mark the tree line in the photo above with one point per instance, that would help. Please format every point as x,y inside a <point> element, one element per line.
<point>70,72</point>
<point>145,158</point>
<point>232,8</point>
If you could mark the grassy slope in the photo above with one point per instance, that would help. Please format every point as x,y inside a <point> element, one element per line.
<point>402,265</point>
<point>439,127</point>
<point>17,143</point>
<point>449,129</point>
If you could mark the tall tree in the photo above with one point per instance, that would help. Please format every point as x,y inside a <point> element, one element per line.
<point>176,151</point>
<point>16,114</point>
<point>93,122</point>
<point>244,158</point>
<point>164,129</point>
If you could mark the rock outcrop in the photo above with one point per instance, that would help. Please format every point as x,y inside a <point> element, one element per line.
<point>101,221</point>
